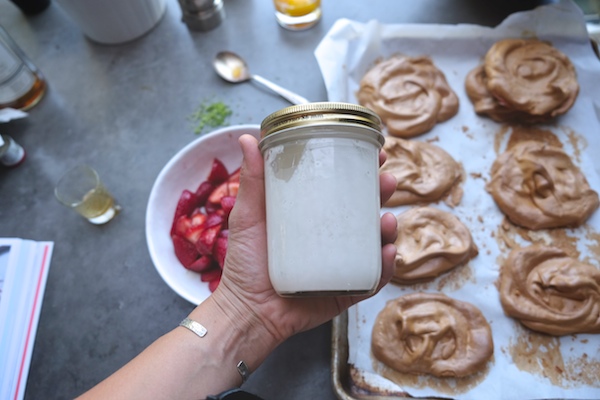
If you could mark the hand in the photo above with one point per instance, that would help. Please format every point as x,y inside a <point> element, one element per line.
<point>245,284</point>
<point>245,317</point>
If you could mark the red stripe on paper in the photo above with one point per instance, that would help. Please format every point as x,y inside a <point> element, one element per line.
<point>31,318</point>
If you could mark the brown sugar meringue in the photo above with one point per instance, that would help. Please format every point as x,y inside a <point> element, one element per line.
<point>537,186</point>
<point>410,95</point>
<point>532,76</point>
<point>425,172</point>
<point>523,80</point>
<point>431,333</point>
<point>486,104</point>
<point>430,242</point>
<point>550,292</point>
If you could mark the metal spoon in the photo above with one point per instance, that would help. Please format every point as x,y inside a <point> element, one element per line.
<point>233,68</point>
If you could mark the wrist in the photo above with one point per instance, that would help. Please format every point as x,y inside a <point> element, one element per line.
<point>235,332</point>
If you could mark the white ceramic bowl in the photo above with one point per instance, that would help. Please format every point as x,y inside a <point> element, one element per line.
<point>186,170</point>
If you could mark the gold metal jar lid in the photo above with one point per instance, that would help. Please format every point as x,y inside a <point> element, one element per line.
<point>322,113</point>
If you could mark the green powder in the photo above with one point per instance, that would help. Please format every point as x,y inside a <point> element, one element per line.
<point>210,115</point>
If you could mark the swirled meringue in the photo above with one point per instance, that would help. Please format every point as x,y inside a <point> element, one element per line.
<point>410,95</point>
<point>537,186</point>
<point>425,172</point>
<point>429,243</point>
<point>431,333</point>
<point>550,292</point>
<point>486,104</point>
<point>531,76</point>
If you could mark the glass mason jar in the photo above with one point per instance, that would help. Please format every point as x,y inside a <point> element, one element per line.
<point>21,83</point>
<point>322,199</point>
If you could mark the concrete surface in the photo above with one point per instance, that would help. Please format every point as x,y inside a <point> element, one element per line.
<point>125,110</point>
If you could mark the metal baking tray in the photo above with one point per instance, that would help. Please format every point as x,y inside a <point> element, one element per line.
<point>346,384</point>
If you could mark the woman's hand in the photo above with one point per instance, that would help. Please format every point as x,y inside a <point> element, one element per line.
<point>245,284</point>
<point>245,318</point>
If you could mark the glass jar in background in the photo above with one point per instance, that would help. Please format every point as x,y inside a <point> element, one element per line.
<point>21,83</point>
<point>322,199</point>
<point>297,14</point>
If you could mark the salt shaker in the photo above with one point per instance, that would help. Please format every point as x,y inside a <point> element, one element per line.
<point>322,199</point>
<point>202,15</point>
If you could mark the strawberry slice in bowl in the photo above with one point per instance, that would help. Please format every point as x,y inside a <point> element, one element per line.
<point>199,219</point>
<point>187,170</point>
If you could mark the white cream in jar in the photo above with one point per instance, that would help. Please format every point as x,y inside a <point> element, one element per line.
<point>322,199</point>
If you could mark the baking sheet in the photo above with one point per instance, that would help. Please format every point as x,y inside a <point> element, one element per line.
<point>525,365</point>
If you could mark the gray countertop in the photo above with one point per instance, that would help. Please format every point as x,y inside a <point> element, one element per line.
<point>125,110</point>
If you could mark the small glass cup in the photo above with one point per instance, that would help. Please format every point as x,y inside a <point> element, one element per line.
<point>297,14</point>
<point>81,190</point>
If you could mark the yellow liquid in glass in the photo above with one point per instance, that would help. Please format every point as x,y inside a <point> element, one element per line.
<point>96,203</point>
<point>296,8</point>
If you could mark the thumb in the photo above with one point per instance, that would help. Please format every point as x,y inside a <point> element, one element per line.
<point>249,207</point>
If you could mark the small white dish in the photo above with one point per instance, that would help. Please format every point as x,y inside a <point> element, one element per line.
<point>186,170</point>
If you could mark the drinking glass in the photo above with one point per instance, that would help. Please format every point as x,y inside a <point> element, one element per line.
<point>297,14</point>
<point>80,189</point>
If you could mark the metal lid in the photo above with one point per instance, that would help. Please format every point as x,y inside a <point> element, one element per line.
<point>320,114</point>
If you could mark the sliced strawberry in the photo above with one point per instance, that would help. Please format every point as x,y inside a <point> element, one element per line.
<point>213,219</point>
<point>218,172</point>
<point>199,229</point>
<point>235,175</point>
<point>227,203</point>
<point>186,204</point>
<point>233,188</point>
<point>207,239</point>
<point>191,227</point>
<point>220,250</point>
<point>212,285</point>
<point>198,218</point>
<point>217,194</point>
<point>212,208</point>
<point>185,251</point>
<point>193,234</point>
<point>203,191</point>
<point>181,226</point>
<point>211,274</point>
<point>229,188</point>
<point>203,263</point>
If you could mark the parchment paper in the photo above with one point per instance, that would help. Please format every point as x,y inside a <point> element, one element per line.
<point>344,55</point>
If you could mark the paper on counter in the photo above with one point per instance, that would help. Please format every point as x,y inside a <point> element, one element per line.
<point>348,51</point>
<point>24,268</point>
<point>8,114</point>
